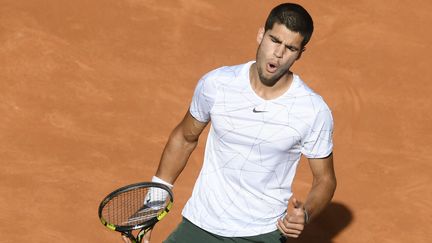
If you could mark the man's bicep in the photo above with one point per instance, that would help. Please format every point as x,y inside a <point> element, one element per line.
<point>191,128</point>
<point>322,167</point>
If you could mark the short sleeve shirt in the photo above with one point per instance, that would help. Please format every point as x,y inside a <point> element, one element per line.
<point>252,150</point>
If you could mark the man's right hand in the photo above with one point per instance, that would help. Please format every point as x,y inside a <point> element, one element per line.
<point>146,238</point>
<point>125,239</point>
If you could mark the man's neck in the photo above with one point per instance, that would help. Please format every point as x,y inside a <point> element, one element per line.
<point>269,92</point>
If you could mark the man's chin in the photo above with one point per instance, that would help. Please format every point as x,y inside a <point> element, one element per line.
<point>270,80</point>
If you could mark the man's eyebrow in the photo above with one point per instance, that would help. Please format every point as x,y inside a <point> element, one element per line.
<point>287,46</point>
<point>275,38</point>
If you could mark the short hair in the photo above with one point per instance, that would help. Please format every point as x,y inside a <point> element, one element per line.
<point>294,17</point>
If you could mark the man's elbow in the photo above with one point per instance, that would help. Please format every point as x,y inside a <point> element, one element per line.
<point>185,141</point>
<point>329,182</point>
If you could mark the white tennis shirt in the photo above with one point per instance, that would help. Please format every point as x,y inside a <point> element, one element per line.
<point>252,151</point>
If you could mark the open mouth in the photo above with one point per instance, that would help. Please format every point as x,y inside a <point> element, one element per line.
<point>272,67</point>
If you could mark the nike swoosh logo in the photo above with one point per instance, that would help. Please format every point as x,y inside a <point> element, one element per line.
<point>255,111</point>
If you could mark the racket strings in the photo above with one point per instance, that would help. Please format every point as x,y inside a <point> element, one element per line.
<point>135,206</point>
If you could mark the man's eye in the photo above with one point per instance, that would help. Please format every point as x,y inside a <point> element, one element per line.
<point>293,49</point>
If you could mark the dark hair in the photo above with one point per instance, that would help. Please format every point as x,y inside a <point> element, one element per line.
<point>294,17</point>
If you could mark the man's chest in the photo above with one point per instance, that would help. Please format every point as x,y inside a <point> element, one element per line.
<point>241,118</point>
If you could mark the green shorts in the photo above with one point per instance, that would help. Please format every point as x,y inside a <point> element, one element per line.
<point>186,232</point>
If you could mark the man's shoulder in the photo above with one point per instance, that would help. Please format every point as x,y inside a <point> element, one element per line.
<point>232,71</point>
<point>225,76</point>
<point>303,92</point>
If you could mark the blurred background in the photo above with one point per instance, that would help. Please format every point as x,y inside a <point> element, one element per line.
<point>90,90</point>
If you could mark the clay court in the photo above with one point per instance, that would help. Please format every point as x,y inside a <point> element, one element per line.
<point>90,90</point>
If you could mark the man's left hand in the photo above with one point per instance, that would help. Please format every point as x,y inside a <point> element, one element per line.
<point>293,223</point>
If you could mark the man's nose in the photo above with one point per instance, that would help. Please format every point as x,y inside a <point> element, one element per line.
<point>279,51</point>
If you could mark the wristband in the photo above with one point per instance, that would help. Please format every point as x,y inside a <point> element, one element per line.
<point>159,180</point>
<point>306,216</point>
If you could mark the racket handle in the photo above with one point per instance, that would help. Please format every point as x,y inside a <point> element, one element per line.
<point>130,237</point>
<point>142,233</point>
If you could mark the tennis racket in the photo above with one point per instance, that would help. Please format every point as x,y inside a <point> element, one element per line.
<point>135,207</point>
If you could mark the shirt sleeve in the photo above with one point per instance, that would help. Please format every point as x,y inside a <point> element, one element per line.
<point>319,142</point>
<point>203,98</point>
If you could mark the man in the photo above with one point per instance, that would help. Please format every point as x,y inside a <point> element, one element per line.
<point>263,117</point>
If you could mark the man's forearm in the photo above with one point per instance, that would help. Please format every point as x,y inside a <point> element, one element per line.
<point>320,195</point>
<point>175,156</point>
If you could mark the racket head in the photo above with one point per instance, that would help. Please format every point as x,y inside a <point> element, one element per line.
<point>125,209</point>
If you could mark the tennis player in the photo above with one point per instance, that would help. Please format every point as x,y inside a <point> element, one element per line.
<point>263,118</point>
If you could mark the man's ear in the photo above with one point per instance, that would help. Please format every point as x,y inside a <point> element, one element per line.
<point>260,35</point>
<point>301,52</point>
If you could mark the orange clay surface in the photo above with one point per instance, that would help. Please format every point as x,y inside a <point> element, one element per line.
<point>90,90</point>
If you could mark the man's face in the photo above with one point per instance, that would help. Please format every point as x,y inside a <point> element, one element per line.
<point>278,49</point>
